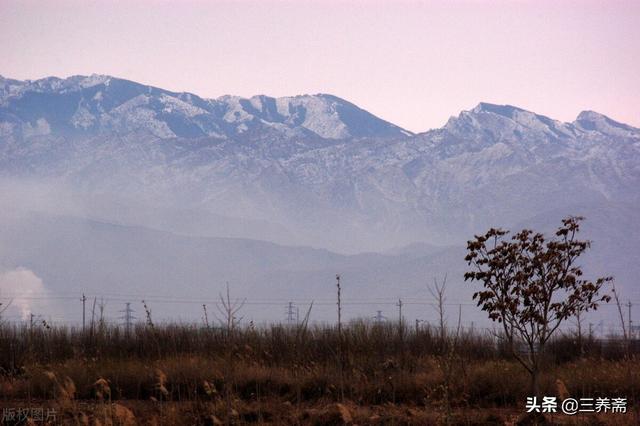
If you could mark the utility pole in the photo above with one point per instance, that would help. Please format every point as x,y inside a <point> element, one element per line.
<point>400,322</point>
<point>339,306</point>
<point>340,360</point>
<point>83,300</point>
<point>630,322</point>
<point>401,332</point>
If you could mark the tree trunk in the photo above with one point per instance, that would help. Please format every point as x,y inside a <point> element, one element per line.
<point>535,382</point>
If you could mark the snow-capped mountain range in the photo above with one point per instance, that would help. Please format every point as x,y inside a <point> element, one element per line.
<point>107,183</point>
<point>319,169</point>
<point>106,105</point>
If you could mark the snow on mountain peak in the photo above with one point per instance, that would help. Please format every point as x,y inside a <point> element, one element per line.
<point>94,80</point>
<point>94,103</point>
<point>273,158</point>
<point>591,116</point>
<point>504,110</point>
<point>507,121</point>
<point>594,121</point>
<point>101,103</point>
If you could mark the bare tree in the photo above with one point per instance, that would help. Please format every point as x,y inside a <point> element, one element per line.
<point>448,343</point>
<point>229,310</point>
<point>619,305</point>
<point>339,303</point>
<point>205,318</point>
<point>93,317</point>
<point>532,285</point>
<point>4,307</point>
<point>340,352</point>
<point>626,333</point>
<point>301,334</point>
<point>301,329</point>
<point>578,323</point>
<point>101,322</point>
<point>147,312</point>
<point>438,292</point>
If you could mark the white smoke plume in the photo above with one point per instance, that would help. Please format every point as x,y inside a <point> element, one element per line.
<point>23,289</point>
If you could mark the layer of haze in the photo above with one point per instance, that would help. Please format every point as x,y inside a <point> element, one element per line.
<point>412,63</point>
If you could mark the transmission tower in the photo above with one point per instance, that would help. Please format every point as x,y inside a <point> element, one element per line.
<point>128,318</point>
<point>291,313</point>
<point>379,318</point>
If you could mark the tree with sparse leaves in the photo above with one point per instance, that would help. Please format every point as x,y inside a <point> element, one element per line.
<point>532,285</point>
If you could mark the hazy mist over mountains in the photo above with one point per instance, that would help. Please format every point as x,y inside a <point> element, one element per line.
<point>108,186</point>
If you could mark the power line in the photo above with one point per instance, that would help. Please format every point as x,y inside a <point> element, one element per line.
<point>198,300</point>
<point>274,302</point>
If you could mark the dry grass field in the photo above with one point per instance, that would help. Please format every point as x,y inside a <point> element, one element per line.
<point>296,375</point>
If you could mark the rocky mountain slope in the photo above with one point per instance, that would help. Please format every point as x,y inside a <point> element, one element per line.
<point>316,165</point>
<point>314,170</point>
<point>101,104</point>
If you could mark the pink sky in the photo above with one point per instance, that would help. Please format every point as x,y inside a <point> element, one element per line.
<point>412,63</point>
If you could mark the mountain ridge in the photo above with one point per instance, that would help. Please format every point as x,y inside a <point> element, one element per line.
<point>303,163</point>
<point>78,82</point>
<point>101,100</point>
<point>295,172</point>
